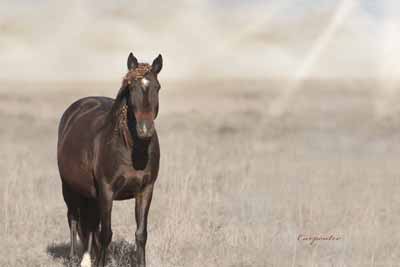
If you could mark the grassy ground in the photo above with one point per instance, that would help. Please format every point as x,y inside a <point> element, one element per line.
<point>236,186</point>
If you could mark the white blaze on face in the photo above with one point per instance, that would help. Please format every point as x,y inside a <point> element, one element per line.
<point>145,83</point>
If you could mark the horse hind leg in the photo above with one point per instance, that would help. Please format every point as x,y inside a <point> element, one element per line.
<point>73,221</point>
<point>72,201</point>
<point>89,224</point>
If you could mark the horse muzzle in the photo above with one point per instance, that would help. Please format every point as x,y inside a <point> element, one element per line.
<point>145,129</point>
<point>145,124</point>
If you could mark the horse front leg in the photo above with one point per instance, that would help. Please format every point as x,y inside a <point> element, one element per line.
<point>105,207</point>
<point>86,261</point>
<point>142,206</point>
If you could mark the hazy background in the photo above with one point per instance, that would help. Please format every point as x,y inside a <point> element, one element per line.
<point>89,40</point>
<point>296,40</point>
<point>277,118</point>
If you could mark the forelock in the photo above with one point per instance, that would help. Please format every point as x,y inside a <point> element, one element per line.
<point>138,73</point>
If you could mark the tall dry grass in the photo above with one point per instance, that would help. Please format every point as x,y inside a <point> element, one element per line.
<point>236,186</point>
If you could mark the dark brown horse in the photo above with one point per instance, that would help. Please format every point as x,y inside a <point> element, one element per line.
<point>108,150</point>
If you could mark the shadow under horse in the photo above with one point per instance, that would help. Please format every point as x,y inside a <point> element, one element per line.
<point>119,251</point>
<point>108,150</point>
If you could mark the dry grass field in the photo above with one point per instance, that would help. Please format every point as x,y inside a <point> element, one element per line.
<point>237,186</point>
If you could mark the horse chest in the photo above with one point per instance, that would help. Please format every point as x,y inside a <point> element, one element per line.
<point>129,183</point>
<point>126,170</point>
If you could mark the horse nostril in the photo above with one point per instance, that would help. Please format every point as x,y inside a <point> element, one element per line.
<point>145,128</point>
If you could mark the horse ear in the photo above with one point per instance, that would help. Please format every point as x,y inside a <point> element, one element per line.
<point>156,66</point>
<point>132,62</point>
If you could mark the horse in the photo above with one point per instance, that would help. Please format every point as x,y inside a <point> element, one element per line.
<point>109,150</point>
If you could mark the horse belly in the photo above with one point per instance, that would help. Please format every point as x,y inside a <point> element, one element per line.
<point>78,177</point>
<point>76,163</point>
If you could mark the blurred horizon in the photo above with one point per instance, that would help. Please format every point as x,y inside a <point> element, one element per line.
<point>88,40</point>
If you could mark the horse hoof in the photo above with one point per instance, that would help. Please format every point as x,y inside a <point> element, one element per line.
<point>86,262</point>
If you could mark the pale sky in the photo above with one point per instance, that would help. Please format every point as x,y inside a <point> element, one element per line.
<point>89,40</point>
